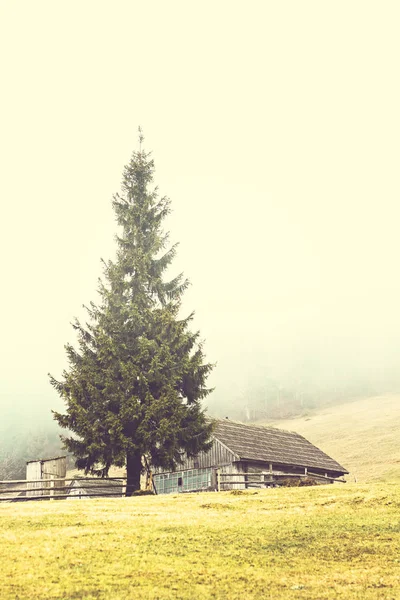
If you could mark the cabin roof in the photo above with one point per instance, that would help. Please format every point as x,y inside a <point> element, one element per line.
<point>268,444</point>
<point>43,460</point>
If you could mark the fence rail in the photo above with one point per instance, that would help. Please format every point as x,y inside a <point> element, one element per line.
<point>9,481</point>
<point>61,488</point>
<point>267,479</point>
<point>58,488</point>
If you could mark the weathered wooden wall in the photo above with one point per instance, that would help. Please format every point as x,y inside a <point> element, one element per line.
<point>219,455</point>
<point>34,473</point>
<point>42,474</point>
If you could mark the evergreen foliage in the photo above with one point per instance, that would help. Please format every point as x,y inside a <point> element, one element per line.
<point>134,387</point>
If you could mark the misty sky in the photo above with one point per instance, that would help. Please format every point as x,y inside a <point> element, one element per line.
<point>275,130</point>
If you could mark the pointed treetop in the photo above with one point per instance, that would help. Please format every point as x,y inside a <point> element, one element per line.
<point>141,138</point>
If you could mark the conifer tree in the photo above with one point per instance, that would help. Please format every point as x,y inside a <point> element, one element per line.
<point>134,386</point>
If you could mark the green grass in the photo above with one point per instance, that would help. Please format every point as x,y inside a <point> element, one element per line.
<point>363,436</point>
<point>339,541</point>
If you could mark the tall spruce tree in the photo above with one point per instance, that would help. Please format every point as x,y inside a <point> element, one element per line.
<point>133,389</point>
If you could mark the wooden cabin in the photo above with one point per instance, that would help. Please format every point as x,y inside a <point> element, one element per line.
<point>245,456</point>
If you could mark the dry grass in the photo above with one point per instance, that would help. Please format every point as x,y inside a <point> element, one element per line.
<point>363,436</point>
<point>311,543</point>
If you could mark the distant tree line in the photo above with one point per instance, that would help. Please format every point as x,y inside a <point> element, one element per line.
<point>275,399</point>
<point>18,448</point>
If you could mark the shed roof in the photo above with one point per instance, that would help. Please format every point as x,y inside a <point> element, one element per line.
<point>44,460</point>
<point>268,444</point>
<point>119,472</point>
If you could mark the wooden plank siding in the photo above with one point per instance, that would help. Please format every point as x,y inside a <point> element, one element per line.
<point>45,471</point>
<point>34,473</point>
<point>218,455</point>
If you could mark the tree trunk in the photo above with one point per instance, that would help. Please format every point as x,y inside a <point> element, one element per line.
<point>133,471</point>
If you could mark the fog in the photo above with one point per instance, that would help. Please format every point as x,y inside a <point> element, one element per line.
<point>275,132</point>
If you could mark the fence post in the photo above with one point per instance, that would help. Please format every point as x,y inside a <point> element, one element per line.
<point>51,487</point>
<point>218,480</point>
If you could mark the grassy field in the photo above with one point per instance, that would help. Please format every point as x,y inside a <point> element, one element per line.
<point>339,541</point>
<point>363,436</point>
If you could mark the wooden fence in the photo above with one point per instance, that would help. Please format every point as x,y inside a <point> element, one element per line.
<point>94,487</point>
<point>268,479</point>
<point>62,488</point>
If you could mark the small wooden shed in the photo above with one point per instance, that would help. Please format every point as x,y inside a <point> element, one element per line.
<point>240,452</point>
<point>44,475</point>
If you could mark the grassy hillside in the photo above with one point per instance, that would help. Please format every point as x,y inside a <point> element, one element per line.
<point>312,543</point>
<point>363,436</point>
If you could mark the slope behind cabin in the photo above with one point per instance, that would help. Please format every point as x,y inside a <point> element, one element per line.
<point>244,450</point>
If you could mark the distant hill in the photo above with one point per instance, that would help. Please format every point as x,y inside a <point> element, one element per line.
<point>363,436</point>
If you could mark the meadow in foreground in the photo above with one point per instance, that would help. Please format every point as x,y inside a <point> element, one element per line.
<point>312,543</point>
